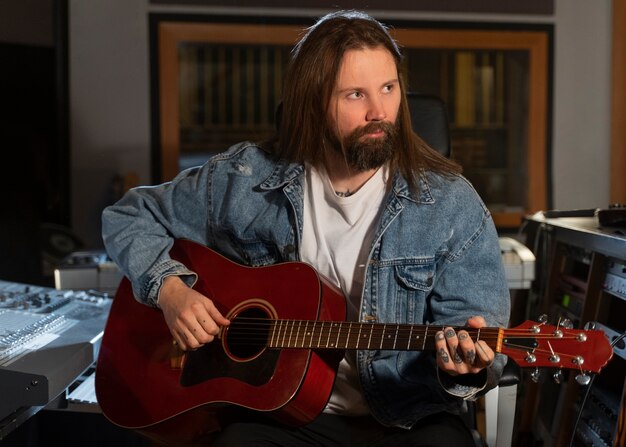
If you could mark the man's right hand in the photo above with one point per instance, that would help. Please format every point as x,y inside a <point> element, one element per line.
<point>191,317</point>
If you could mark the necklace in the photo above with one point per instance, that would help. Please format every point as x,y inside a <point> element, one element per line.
<point>347,193</point>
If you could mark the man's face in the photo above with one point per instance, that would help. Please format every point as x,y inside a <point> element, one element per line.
<point>364,107</point>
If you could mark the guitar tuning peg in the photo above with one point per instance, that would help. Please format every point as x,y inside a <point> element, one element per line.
<point>583,379</point>
<point>567,323</point>
<point>590,325</point>
<point>578,360</point>
<point>535,375</point>
<point>543,319</point>
<point>555,358</point>
<point>558,377</point>
<point>531,358</point>
<point>558,333</point>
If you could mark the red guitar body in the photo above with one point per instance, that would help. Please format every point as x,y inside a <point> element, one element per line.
<point>138,383</point>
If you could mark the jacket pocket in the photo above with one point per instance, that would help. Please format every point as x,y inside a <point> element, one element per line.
<point>257,253</point>
<point>413,284</point>
<point>416,276</point>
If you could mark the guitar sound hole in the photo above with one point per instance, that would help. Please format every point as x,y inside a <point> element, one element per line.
<point>247,334</point>
<point>241,355</point>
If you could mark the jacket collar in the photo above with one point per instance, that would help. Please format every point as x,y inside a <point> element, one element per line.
<point>284,172</point>
<point>423,195</point>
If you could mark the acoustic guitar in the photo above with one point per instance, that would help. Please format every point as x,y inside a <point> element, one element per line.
<point>280,353</point>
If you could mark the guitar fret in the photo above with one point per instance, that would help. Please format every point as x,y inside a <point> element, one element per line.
<point>330,330</point>
<point>284,333</point>
<point>279,328</point>
<point>276,328</point>
<point>396,337</point>
<point>298,333</point>
<point>348,336</point>
<point>270,342</point>
<point>277,337</point>
<point>290,332</point>
<point>408,342</point>
<point>290,325</point>
<point>339,328</point>
<point>312,331</point>
<point>382,337</point>
<point>358,339</point>
<point>425,337</point>
<point>306,332</point>
<point>319,340</point>
<point>370,339</point>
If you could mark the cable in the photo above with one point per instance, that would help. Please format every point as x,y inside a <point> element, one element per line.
<point>587,392</point>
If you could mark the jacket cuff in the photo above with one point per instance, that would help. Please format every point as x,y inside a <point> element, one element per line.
<point>152,284</point>
<point>470,386</point>
<point>465,386</point>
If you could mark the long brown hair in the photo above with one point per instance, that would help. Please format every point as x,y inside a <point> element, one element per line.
<point>304,133</point>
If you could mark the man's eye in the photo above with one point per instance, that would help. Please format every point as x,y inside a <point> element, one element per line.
<point>355,95</point>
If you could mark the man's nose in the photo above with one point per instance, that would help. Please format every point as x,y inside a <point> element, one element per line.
<point>376,110</point>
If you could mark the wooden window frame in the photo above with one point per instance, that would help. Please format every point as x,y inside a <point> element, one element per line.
<point>170,34</point>
<point>537,45</point>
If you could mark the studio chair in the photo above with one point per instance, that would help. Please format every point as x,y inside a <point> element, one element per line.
<point>429,119</point>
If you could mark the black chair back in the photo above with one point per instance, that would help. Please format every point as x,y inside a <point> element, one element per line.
<point>429,119</point>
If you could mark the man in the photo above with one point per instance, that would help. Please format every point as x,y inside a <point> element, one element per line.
<point>349,188</point>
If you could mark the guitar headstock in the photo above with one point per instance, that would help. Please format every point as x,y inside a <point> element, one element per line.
<point>534,344</point>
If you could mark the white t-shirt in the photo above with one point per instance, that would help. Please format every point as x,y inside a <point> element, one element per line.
<point>336,238</point>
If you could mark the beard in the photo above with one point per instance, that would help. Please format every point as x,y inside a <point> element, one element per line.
<point>364,154</point>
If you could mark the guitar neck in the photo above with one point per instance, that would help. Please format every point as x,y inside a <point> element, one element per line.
<point>353,335</point>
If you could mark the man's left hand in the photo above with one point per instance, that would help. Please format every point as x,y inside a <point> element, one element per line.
<point>458,354</point>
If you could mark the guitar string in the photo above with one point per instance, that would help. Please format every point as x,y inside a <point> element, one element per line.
<point>257,331</point>
<point>338,326</point>
<point>298,343</point>
<point>521,348</point>
<point>263,334</point>
<point>300,340</point>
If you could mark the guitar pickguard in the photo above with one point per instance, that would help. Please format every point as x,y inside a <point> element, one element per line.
<point>212,362</point>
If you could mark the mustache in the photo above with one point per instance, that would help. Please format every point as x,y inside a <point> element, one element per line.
<point>364,154</point>
<point>384,126</point>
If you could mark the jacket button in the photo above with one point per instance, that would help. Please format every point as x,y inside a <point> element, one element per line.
<point>429,281</point>
<point>289,249</point>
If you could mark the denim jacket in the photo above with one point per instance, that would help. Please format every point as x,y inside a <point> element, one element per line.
<point>435,260</point>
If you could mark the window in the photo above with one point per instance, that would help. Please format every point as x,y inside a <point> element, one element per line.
<point>219,84</point>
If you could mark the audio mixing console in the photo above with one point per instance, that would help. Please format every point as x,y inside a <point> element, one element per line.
<point>48,338</point>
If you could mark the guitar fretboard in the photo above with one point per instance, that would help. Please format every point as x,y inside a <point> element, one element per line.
<point>369,336</point>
